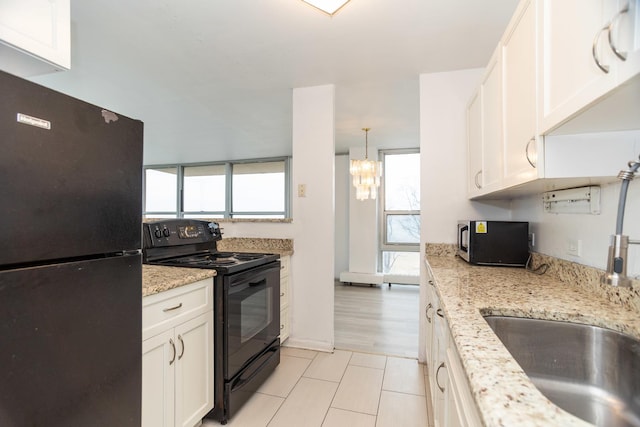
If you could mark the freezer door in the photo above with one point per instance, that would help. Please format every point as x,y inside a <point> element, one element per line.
<point>70,176</point>
<point>71,339</point>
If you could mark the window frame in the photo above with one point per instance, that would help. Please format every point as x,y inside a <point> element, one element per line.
<point>384,244</point>
<point>228,212</point>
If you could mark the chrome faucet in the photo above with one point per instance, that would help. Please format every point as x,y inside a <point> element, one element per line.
<point>616,274</point>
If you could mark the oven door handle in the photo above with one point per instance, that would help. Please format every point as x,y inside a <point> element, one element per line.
<point>258,283</point>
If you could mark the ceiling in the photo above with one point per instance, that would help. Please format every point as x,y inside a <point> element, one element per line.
<point>212,79</point>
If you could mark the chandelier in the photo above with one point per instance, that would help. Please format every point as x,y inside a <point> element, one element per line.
<point>366,173</point>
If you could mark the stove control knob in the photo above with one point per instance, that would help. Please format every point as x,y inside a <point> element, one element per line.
<point>166,232</point>
<point>157,233</point>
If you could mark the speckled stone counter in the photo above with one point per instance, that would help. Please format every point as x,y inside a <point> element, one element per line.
<point>503,393</point>
<point>156,278</point>
<point>250,244</point>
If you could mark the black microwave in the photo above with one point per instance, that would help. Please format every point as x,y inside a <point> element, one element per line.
<point>503,243</point>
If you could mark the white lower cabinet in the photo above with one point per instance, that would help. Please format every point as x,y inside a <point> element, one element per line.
<point>460,408</point>
<point>177,356</point>
<point>285,325</point>
<point>451,397</point>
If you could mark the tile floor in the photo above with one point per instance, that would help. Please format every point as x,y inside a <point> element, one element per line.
<point>339,389</point>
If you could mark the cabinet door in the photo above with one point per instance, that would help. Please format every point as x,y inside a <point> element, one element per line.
<point>158,373</point>
<point>38,27</point>
<point>626,39</point>
<point>428,313</point>
<point>474,142</point>
<point>570,77</point>
<point>440,369</point>
<point>492,124</point>
<point>519,65</point>
<point>194,370</point>
<point>461,409</point>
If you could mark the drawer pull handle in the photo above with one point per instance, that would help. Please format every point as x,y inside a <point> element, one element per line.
<point>175,307</point>
<point>173,346</point>
<point>281,327</point>
<point>181,343</point>
<point>426,312</point>
<point>281,294</point>
<point>440,313</point>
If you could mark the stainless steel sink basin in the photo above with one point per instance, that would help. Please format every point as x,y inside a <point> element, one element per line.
<point>590,372</point>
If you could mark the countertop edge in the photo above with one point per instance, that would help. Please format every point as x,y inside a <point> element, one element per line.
<point>157,278</point>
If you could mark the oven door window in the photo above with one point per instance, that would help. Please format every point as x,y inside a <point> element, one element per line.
<point>253,310</point>
<point>255,313</point>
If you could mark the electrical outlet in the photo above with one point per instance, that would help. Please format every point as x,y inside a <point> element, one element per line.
<point>574,247</point>
<point>532,239</point>
<point>302,190</point>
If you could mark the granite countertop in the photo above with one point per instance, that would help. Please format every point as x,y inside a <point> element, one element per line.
<point>503,393</point>
<point>156,278</point>
<point>282,247</point>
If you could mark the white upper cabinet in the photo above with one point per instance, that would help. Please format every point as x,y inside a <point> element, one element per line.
<point>625,34</point>
<point>35,36</point>
<point>484,131</point>
<point>522,145</point>
<point>568,67</point>
<point>579,64</point>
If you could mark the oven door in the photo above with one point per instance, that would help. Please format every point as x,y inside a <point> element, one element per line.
<point>253,314</point>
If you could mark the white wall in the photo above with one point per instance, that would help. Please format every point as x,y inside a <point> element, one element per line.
<point>313,218</point>
<point>553,231</point>
<point>363,225</point>
<point>343,183</point>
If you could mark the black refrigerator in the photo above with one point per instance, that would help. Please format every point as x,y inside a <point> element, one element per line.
<point>70,263</point>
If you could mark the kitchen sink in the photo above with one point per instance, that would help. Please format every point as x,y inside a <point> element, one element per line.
<point>590,372</point>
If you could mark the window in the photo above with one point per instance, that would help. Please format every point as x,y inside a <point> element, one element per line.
<point>239,189</point>
<point>400,220</point>
<point>254,195</point>
<point>161,191</point>
<point>204,189</point>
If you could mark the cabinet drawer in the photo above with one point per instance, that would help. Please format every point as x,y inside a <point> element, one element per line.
<point>167,309</point>
<point>285,262</point>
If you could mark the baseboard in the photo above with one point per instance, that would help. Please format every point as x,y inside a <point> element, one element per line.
<point>370,278</point>
<point>309,345</point>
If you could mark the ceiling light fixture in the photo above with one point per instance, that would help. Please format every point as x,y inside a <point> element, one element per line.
<point>366,173</point>
<point>330,7</point>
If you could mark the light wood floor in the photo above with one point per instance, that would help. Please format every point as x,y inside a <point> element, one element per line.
<point>378,319</point>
